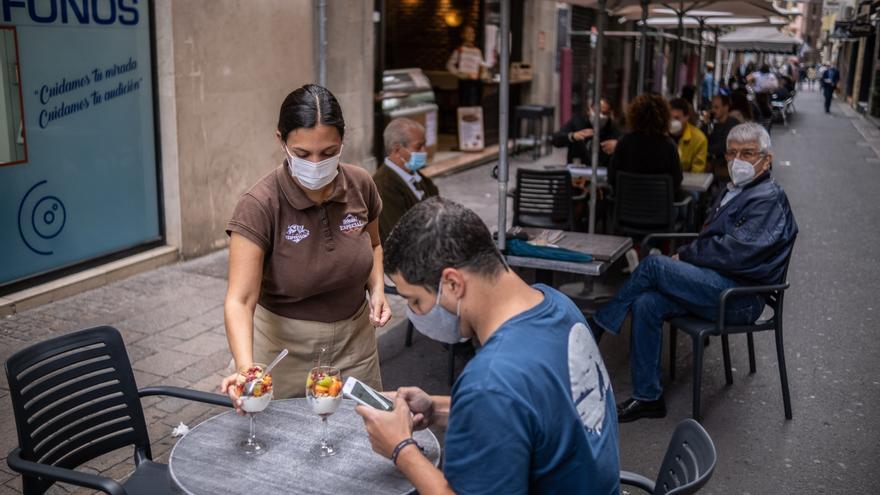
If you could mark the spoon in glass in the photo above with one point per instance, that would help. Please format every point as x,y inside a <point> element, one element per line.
<point>249,386</point>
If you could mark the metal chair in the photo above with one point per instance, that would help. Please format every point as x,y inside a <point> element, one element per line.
<point>687,465</point>
<point>74,399</point>
<point>543,198</point>
<point>700,330</point>
<point>645,203</point>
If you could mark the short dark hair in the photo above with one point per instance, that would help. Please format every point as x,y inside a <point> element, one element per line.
<point>439,233</point>
<point>725,100</point>
<point>307,107</point>
<point>649,114</point>
<point>682,105</point>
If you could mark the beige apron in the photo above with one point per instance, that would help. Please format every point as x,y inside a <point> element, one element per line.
<point>350,346</point>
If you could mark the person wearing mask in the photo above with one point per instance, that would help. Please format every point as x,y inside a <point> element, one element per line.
<point>647,148</point>
<point>316,213</point>
<point>692,143</point>
<point>830,78</point>
<point>466,63</point>
<point>533,411</point>
<point>722,124</point>
<point>577,136</point>
<point>398,180</point>
<point>707,89</point>
<point>746,241</point>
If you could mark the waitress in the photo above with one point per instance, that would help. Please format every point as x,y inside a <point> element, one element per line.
<point>304,253</point>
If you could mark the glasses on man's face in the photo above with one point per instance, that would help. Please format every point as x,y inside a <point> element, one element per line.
<point>747,154</point>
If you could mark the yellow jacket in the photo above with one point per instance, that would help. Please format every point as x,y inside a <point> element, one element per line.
<point>692,149</point>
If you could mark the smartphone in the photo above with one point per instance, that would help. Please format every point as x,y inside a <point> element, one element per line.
<point>363,394</point>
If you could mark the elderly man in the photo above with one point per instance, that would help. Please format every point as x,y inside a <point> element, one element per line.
<point>533,412</point>
<point>399,183</point>
<point>746,241</point>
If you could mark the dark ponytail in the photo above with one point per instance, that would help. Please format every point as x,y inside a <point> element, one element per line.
<point>307,107</point>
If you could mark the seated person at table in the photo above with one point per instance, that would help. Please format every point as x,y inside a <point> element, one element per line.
<point>745,242</point>
<point>692,143</point>
<point>647,148</point>
<point>577,135</point>
<point>533,411</point>
<point>398,180</point>
<point>722,124</point>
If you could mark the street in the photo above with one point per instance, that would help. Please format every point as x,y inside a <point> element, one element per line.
<point>829,165</point>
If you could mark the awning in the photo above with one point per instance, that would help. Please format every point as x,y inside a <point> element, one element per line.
<point>760,39</point>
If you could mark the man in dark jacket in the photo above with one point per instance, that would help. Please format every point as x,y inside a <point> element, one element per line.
<point>577,135</point>
<point>830,78</point>
<point>746,241</point>
<point>398,180</point>
<point>721,126</point>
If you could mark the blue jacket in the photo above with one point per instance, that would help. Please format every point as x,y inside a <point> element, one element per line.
<point>749,238</point>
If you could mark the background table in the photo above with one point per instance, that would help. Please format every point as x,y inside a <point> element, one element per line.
<point>605,250</point>
<point>207,459</point>
<point>694,182</point>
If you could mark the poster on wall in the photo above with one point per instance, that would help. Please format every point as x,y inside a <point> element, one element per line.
<point>78,166</point>
<point>470,129</point>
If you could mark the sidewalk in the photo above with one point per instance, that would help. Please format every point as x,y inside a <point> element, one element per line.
<point>172,322</point>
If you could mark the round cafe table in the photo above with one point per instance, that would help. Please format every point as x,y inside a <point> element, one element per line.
<point>207,459</point>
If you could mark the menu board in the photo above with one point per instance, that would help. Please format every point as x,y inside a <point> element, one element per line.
<point>470,129</point>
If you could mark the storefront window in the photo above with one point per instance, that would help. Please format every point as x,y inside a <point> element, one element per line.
<point>78,165</point>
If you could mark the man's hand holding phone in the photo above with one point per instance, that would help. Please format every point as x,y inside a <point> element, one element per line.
<point>387,428</point>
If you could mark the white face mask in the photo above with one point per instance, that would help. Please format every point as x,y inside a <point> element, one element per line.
<point>741,171</point>
<point>675,127</point>
<point>313,175</point>
<point>438,323</point>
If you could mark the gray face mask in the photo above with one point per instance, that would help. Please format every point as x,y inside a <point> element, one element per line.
<point>438,323</point>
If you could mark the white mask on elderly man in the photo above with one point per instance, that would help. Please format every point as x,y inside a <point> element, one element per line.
<point>741,171</point>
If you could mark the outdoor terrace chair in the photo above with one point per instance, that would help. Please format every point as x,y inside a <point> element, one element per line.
<point>544,199</point>
<point>687,465</point>
<point>74,399</point>
<point>645,203</point>
<point>700,330</point>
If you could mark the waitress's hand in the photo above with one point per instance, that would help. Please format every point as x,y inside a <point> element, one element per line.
<point>227,387</point>
<point>380,311</point>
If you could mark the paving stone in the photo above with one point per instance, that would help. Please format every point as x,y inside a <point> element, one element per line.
<point>119,472</point>
<point>109,459</point>
<point>205,366</point>
<point>187,329</point>
<point>145,379</point>
<point>164,363</point>
<point>204,345</point>
<point>151,323</point>
<point>160,342</point>
<point>137,352</point>
<point>14,484</point>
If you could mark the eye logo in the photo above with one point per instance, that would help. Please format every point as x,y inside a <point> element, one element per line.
<point>40,219</point>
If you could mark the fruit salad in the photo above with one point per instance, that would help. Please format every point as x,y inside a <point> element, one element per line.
<point>324,391</point>
<point>262,392</point>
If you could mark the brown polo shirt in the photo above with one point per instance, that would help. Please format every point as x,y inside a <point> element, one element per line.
<point>318,258</point>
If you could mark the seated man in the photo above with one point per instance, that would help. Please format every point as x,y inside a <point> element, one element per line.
<point>692,143</point>
<point>577,136</point>
<point>398,180</point>
<point>533,411</point>
<point>745,242</point>
<point>722,125</point>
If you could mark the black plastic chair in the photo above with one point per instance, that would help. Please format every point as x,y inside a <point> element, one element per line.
<point>700,330</point>
<point>450,376</point>
<point>645,203</point>
<point>543,199</point>
<point>687,465</point>
<point>74,399</point>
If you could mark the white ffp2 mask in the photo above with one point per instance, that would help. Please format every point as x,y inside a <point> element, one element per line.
<point>314,175</point>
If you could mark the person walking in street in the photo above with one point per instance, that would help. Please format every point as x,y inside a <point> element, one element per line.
<point>533,411</point>
<point>746,241</point>
<point>707,89</point>
<point>304,253</point>
<point>830,78</point>
<point>398,180</point>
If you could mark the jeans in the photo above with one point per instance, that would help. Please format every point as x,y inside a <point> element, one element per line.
<point>662,288</point>
<point>828,92</point>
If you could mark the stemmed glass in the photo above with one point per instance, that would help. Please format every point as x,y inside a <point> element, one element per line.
<point>324,393</point>
<point>254,403</point>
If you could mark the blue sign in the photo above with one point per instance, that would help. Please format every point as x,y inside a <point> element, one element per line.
<point>78,175</point>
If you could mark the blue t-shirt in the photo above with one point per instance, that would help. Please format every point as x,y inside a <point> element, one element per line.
<point>533,412</point>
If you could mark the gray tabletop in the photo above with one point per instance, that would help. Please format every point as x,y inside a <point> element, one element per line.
<point>605,250</point>
<point>696,182</point>
<point>207,460</point>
